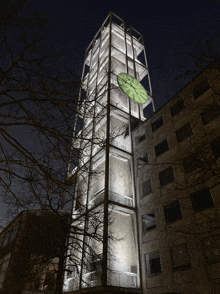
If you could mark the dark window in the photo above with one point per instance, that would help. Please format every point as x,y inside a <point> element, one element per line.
<point>201,200</point>
<point>146,188</point>
<point>177,107</point>
<point>210,114</point>
<point>180,257</point>
<point>126,133</point>
<point>139,139</point>
<point>152,264</point>
<point>172,212</point>
<point>157,124</point>
<point>143,159</point>
<point>148,222</point>
<point>201,88</point>
<point>161,147</point>
<point>134,123</point>
<point>166,176</point>
<point>191,163</point>
<point>211,247</point>
<point>184,132</point>
<point>215,144</point>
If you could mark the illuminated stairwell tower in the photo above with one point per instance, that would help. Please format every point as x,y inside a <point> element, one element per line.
<point>105,174</point>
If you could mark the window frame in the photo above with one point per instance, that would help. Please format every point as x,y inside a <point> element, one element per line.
<point>158,148</point>
<point>155,125</point>
<point>176,109</point>
<point>140,138</point>
<point>143,160</point>
<point>211,113</point>
<point>141,189</point>
<point>201,88</point>
<point>148,263</point>
<point>180,138</point>
<point>198,195</point>
<point>188,264</point>
<point>165,177</point>
<point>166,213</point>
<point>152,227</point>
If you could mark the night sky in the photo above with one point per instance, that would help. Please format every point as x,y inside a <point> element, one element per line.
<point>166,26</point>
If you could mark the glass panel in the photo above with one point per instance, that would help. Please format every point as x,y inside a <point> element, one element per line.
<point>129,48</point>
<point>141,72</point>
<point>92,263</point>
<point>118,61</point>
<point>74,260</point>
<point>120,187</point>
<point>99,138</point>
<point>118,97</point>
<point>119,134</point>
<point>122,253</point>
<point>118,38</point>
<point>134,108</point>
<point>97,180</point>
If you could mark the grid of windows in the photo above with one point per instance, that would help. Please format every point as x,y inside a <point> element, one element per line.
<point>172,212</point>
<point>180,257</point>
<point>145,188</point>
<point>184,132</point>
<point>152,264</point>
<point>166,176</point>
<point>177,107</point>
<point>201,88</point>
<point>210,114</point>
<point>157,124</point>
<point>161,147</point>
<point>202,199</point>
<point>148,222</point>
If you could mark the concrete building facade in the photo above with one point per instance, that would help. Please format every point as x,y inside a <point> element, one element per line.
<point>177,168</point>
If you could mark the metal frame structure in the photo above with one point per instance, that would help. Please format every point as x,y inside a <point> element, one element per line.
<point>105,173</point>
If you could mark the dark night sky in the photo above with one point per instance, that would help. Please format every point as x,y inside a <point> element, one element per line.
<point>165,25</point>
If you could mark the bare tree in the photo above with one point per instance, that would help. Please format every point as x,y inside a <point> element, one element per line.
<point>41,119</point>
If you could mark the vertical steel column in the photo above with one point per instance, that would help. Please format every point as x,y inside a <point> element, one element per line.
<point>133,176</point>
<point>89,175</point>
<point>152,100</point>
<point>105,227</point>
<point>135,73</point>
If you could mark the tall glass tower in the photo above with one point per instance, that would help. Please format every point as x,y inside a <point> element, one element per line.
<point>106,203</point>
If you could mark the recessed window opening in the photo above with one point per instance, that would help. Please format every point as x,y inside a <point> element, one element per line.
<point>177,107</point>
<point>184,132</point>
<point>157,124</point>
<point>166,176</point>
<point>202,200</point>
<point>201,88</point>
<point>152,263</point>
<point>180,257</point>
<point>172,212</point>
<point>145,188</point>
<point>148,222</point>
<point>143,159</point>
<point>161,147</point>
